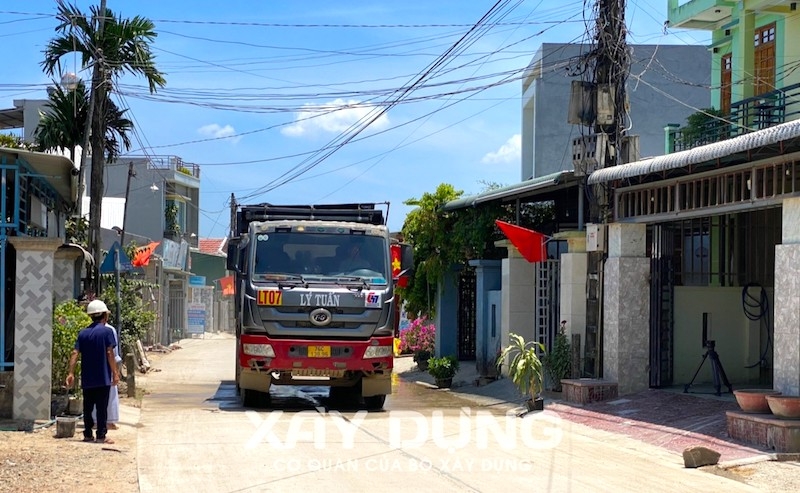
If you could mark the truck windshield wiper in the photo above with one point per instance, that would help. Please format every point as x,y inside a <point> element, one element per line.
<point>284,280</point>
<point>349,281</point>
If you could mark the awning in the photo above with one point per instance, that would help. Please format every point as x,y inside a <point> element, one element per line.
<point>56,170</point>
<point>701,154</point>
<point>534,186</point>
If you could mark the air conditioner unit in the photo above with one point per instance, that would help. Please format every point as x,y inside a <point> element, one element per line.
<point>630,149</point>
<point>589,153</point>
<point>605,104</point>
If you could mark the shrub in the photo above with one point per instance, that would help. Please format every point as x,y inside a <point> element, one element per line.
<point>69,318</point>
<point>559,361</point>
<point>444,367</point>
<point>419,337</point>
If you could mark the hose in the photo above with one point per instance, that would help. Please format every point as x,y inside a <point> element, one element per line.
<point>757,309</point>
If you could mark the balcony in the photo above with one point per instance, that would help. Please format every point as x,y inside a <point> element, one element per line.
<point>699,14</point>
<point>748,115</point>
<point>175,164</point>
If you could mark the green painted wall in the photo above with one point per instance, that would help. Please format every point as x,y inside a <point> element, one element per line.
<point>210,266</point>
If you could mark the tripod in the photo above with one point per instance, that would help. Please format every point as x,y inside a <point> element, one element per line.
<point>716,370</point>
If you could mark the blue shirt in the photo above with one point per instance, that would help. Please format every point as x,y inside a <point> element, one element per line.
<point>92,343</point>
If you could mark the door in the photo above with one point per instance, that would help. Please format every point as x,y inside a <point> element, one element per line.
<point>467,284</point>
<point>662,272</point>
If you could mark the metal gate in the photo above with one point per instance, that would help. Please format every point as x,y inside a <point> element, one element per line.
<point>176,310</point>
<point>593,351</point>
<point>662,272</point>
<point>467,284</point>
<point>547,302</point>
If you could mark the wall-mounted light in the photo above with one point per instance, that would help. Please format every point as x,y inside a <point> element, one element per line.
<point>154,187</point>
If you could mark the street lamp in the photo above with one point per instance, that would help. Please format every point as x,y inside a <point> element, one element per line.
<point>69,81</point>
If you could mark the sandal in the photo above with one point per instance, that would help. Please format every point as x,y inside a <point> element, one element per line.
<point>105,440</point>
<point>112,426</point>
<point>88,439</point>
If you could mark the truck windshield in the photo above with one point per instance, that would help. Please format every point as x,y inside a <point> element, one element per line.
<point>321,255</point>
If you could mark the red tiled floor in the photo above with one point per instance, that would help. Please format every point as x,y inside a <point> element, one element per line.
<point>666,419</point>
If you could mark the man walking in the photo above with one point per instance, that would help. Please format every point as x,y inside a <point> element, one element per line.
<point>95,346</point>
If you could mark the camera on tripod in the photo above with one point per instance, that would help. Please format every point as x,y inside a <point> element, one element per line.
<point>717,372</point>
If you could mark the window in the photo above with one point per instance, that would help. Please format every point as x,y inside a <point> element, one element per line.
<point>725,84</point>
<point>764,60</point>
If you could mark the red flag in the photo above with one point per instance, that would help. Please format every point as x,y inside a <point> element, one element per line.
<point>395,251</point>
<point>226,284</point>
<point>143,254</point>
<point>529,243</point>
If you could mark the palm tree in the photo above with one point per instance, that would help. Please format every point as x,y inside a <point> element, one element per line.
<point>111,46</point>
<point>62,125</point>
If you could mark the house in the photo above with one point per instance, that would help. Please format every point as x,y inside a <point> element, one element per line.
<point>162,194</point>
<point>717,219</point>
<point>530,299</point>
<point>37,269</point>
<point>209,261</point>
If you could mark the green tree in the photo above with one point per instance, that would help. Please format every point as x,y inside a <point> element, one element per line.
<point>442,239</point>
<point>62,125</point>
<point>112,46</point>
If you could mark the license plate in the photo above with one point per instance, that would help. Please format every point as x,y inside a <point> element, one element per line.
<point>319,351</point>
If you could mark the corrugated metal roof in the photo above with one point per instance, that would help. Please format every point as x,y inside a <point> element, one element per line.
<point>701,154</point>
<point>524,187</point>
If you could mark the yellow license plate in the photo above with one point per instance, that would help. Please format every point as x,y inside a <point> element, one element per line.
<point>319,351</point>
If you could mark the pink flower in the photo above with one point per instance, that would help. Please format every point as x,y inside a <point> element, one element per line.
<point>419,336</point>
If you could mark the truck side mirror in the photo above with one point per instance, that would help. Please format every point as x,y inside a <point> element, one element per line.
<point>406,259</point>
<point>232,262</point>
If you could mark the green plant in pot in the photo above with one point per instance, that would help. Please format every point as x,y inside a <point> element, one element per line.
<point>525,369</point>
<point>69,318</point>
<point>443,369</point>
<point>558,362</point>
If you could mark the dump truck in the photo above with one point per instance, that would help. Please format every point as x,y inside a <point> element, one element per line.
<point>314,299</point>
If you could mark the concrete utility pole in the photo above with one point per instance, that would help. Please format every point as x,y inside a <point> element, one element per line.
<point>612,63</point>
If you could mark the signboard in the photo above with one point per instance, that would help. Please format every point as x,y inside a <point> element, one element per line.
<point>174,254</point>
<point>197,280</point>
<point>196,315</point>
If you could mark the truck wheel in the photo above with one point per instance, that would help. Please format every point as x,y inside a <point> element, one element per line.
<point>374,402</point>
<point>254,398</point>
<point>344,396</point>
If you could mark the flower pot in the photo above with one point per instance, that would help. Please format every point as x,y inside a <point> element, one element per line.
<point>444,383</point>
<point>754,400</point>
<point>784,406</point>
<point>535,404</point>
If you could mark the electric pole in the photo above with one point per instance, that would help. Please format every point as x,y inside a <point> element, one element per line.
<point>97,108</point>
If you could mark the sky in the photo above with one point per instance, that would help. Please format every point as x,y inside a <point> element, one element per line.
<point>314,101</point>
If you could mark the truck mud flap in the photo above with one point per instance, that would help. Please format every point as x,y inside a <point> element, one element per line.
<point>378,384</point>
<point>255,380</point>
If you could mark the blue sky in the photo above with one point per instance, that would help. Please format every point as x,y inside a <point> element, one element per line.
<point>256,90</point>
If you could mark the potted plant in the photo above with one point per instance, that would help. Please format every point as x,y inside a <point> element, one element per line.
<point>443,370</point>
<point>69,318</point>
<point>558,362</point>
<point>419,339</point>
<point>526,369</point>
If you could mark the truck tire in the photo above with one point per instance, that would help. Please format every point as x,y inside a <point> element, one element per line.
<point>374,402</point>
<point>254,398</point>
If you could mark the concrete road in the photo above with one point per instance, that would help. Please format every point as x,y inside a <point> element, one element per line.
<point>194,436</point>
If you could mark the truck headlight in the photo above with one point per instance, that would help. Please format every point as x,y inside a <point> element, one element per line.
<point>259,350</point>
<point>378,352</point>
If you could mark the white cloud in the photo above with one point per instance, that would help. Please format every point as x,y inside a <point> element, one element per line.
<point>216,131</point>
<point>508,153</point>
<point>334,117</point>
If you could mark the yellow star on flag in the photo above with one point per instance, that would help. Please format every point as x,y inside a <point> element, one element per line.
<point>395,263</point>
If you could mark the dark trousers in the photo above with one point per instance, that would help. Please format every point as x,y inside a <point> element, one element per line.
<point>96,397</point>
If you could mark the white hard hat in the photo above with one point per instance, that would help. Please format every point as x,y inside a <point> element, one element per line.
<point>96,306</point>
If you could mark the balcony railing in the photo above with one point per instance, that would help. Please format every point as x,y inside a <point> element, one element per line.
<point>174,163</point>
<point>748,115</point>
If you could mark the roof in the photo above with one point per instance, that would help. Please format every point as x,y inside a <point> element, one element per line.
<point>526,188</point>
<point>700,154</point>
<point>212,246</point>
<point>11,118</point>
<point>58,171</point>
